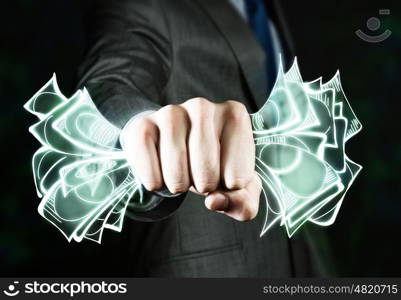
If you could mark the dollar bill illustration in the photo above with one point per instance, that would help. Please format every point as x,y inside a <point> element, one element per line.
<point>86,182</point>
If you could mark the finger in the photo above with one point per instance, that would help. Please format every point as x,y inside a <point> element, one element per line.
<point>139,144</point>
<point>203,145</point>
<point>242,205</point>
<point>237,147</point>
<point>193,190</point>
<point>173,127</point>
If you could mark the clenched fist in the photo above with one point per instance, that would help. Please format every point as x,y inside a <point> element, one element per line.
<point>199,145</point>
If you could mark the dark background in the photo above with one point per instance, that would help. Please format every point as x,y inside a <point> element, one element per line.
<point>38,38</point>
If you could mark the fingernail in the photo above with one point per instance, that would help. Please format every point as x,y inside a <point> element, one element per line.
<point>217,202</point>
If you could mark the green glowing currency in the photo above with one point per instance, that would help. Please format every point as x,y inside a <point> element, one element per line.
<point>86,183</point>
<point>300,135</point>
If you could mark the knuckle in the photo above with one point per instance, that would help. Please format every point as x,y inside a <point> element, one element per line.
<point>144,129</point>
<point>170,113</point>
<point>235,183</point>
<point>178,187</point>
<point>140,123</point>
<point>206,183</point>
<point>198,102</point>
<point>205,187</point>
<point>152,185</point>
<point>206,176</point>
<point>201,113</point>
<point>170,117</point>
<point>236,112</point>
<point>169,109</point>
<point>200,106</point>
<point>236,106</point>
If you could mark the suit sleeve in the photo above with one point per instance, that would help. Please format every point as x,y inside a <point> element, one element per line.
<point>125,69</point>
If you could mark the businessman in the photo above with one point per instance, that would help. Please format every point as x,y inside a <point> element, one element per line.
<point>180,77</point>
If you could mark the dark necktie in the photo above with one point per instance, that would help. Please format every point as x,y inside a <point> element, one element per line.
<point>258,19</point>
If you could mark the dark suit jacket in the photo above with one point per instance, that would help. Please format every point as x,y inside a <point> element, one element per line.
<point>144,54</point>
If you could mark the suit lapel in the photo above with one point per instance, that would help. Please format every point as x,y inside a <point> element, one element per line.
<point>246,48</point>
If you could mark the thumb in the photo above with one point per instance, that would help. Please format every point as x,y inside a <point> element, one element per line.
<point>242,204</point>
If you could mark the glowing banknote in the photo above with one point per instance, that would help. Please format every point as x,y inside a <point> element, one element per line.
<point>300,135</point>
<point>86,183</point>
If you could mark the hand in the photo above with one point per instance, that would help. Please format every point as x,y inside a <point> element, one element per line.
<point>201,145</point>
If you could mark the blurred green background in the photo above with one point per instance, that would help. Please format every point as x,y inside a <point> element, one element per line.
<point>38,38</point>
